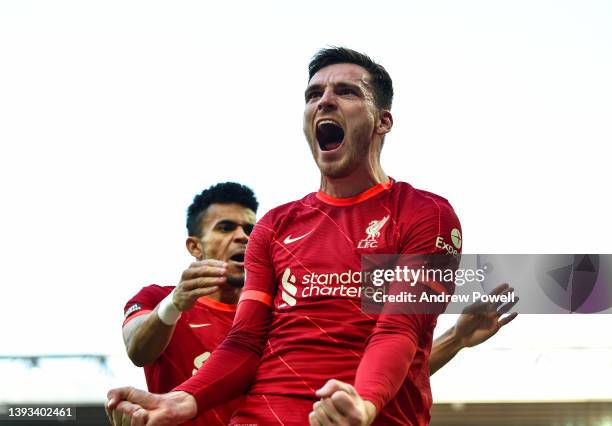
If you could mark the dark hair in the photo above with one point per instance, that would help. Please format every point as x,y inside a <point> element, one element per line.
<point>221,193</point>
<point>381,80</point>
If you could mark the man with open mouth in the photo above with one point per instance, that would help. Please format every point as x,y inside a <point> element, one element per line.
<point>300,346</point>
<point>172,330</point>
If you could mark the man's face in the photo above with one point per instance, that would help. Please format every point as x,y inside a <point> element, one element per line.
<point>340,119</point>
<point>225,233</point>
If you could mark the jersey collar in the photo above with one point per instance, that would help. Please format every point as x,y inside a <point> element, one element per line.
<point>349,201</point>
<point>220,306</point>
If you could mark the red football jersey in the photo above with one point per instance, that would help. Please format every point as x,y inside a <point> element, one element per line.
<point>303,260</point>
<point>197,333</point>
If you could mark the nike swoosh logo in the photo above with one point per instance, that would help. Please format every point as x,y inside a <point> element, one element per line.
<point>290,240</point>
<point>198,325</point>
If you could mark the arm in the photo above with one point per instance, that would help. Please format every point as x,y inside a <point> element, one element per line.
<point>384,365</point>
<point>382,370</point>
<point>225,375</point>
<point>380,374</point>
<point>230,369</point>
<point>146,336</point>
<point>444,349</point>
<point>398,335</point>
<point>478,322</point>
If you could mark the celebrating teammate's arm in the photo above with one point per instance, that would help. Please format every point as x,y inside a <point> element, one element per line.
<point>477,323</point>
<point>225,375</point>
<point>146,336</point>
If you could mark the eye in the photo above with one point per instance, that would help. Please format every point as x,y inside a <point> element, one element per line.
<point>343,91</point>
<point>226,227</point>
<point>313,94</point>
<point>248,228</point>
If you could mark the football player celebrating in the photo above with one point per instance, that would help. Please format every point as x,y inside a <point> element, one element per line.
<point>300,346</point>
<point>171,331</point>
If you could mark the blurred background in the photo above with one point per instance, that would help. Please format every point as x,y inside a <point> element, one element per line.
<point>114,114</point>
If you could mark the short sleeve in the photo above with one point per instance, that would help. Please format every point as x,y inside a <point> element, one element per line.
<point>144,301</point>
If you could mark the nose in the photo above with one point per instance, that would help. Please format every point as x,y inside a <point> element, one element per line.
<point>240,236</point>
<point>327,101</point>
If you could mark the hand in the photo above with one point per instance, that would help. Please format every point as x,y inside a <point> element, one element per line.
<point>200,279</point>
<point>341,405</point>
<point>481,320</point>
<point>131,406</point>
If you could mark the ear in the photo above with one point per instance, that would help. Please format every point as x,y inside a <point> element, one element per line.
<point>385,122</point>
<point>194,247</point>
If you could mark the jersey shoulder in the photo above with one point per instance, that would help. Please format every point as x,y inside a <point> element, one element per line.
<point>257,256</point>
<point>276,217</point>
<point>416,204</point>
<point>407,194</point>
<point>289,210</point>
<point>428,221</point>
<point>154,291</point>
<point>146,299</point>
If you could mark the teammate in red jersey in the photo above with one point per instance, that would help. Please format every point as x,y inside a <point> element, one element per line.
<point>297,309</point>
<point>170,330</point>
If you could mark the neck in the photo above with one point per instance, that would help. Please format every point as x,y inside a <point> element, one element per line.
<point>226,294</point>
<point>355,183</point>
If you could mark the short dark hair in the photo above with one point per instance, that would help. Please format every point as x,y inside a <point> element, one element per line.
<point>381,80</point>
<point>221,193</point>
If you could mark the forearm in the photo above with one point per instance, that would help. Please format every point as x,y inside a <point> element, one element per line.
<point>384,366</point>
<point>229,371</point>
<point>146,337</point>
<point>444,349</point>
<point>226,375</point>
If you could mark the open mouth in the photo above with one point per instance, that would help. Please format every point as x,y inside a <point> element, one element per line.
<point>329,135</point>
<point>238,257</point>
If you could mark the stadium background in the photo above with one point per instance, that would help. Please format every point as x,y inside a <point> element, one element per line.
<point>113,114</point>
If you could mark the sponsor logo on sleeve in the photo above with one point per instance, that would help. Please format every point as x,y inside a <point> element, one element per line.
<point>456,237</point>
<point>135,307</point>
<point>456,240</point>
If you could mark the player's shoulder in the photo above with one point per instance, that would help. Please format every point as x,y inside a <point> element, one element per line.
<point>152,293</point>
<point>286,211</point>
<point>419,200</point>
<point>428,222</point>
<point>145,300</point>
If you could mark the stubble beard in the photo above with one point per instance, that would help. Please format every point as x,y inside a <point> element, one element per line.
<point>236,281</point>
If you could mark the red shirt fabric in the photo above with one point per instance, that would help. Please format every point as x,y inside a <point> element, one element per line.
<point>196,335</point>
<point>299,322</point>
